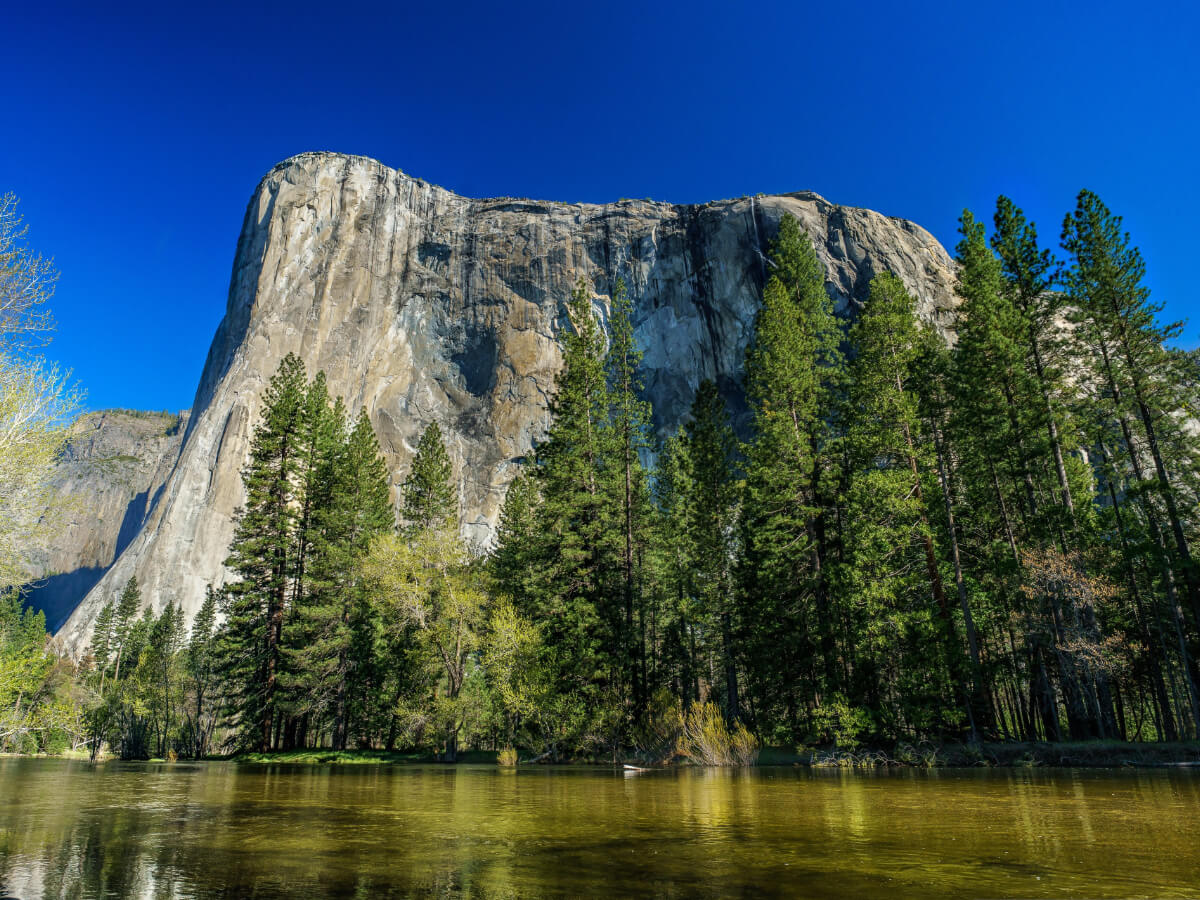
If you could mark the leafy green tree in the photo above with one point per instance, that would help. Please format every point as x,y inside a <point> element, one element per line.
<point>38,405</point>
<point>159,676</point>
<point>426,581</point>
<point>34,704</point>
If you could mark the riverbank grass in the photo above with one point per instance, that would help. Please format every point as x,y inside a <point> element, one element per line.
<point>318,757</point>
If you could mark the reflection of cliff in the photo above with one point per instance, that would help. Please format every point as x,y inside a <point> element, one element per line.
<point>423,306</point>
<point>108,478</point>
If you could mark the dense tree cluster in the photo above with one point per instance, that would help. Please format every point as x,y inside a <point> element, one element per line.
<point>916,539</point>
<point>987,538</point>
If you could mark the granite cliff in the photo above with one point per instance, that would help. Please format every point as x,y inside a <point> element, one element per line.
<point>106,480</point>
<point>421,305</point>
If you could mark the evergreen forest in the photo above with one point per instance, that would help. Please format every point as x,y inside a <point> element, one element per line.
<point>912,537</point>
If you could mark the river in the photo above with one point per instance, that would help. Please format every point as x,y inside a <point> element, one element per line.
<point>68,829</point>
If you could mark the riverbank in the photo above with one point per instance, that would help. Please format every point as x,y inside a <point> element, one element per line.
<point>318,757</point>
<point>1075,754</point>
<point>1069,754</point>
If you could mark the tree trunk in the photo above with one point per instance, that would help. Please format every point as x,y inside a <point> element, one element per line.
<point>979,699</point>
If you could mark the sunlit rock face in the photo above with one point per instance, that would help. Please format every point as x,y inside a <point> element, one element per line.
<point>421,306</point>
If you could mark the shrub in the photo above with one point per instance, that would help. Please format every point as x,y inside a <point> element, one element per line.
<point>842,724</point>
<point>707,740</point>
<point>507,757</point>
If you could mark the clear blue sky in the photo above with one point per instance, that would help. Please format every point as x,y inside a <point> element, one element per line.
<point>134,135</point>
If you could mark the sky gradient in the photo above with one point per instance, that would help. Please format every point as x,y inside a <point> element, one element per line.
<point>135,136</point>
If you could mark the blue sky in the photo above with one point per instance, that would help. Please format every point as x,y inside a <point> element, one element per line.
<point>135,135</point>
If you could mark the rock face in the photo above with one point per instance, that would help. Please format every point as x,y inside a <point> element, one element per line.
<point>422,305</point>
<point>108,478</point>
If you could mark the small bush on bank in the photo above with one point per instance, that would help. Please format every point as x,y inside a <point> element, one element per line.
<point>707,740</point>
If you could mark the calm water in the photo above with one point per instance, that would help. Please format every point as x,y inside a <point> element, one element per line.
<point>208,830</point>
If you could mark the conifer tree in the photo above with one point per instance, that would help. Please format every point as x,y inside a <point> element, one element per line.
<point>1137,415</point>
<point>100,649</point>
<point>513,563</point>
<point>891,558</point>
<point>712,508</point>
<point>263,555</point>
<point>123,621</point>
<point>430,497</point>
<point>1105,283</point>
<point>200,672</point>
<point>629,423</point>
<point>336,656</point>
<point>993,390</point>
<point>1029,274</point>
<point>679,618</point>
<point>578,599</point>
<point>793,368</point>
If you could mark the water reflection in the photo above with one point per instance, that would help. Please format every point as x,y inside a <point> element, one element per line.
<point>125,830</point>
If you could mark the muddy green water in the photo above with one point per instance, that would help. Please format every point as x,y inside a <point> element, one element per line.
<point>209,830</point>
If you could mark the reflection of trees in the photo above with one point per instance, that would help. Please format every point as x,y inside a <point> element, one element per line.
<point>219,831</point>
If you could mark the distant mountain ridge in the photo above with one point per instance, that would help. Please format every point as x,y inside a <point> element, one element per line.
<point>421,305</point>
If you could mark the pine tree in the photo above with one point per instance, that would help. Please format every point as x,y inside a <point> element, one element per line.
<point>263,555</point>
<point>891,558</point>
<point>578,595</point>
<point>993,429</point>
<point>200,672</point>
<point>1105,285</point>
<point>513,563</point>
<point>1029,274</point>
<point>100,649</point>
<point>430,497</point>
<point>336,657</point>
<point>711,522</point>
<point>679,619</point>
<point>993,391</point>
<point>793,368</point>
<point>1138,412</point>
<point>123,621</point>
<point>629,425</point>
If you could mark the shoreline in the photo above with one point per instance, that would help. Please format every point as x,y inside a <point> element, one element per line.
<point>1067,755</point>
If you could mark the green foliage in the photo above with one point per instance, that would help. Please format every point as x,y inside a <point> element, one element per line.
<point>430,498</point>
<point>39,711</point>
<point>793,373</point>
<point>919,541</point>
<point>707,740</point>
<point>425,582</point>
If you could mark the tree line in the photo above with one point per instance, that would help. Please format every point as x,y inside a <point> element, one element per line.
<point>986,537</point>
